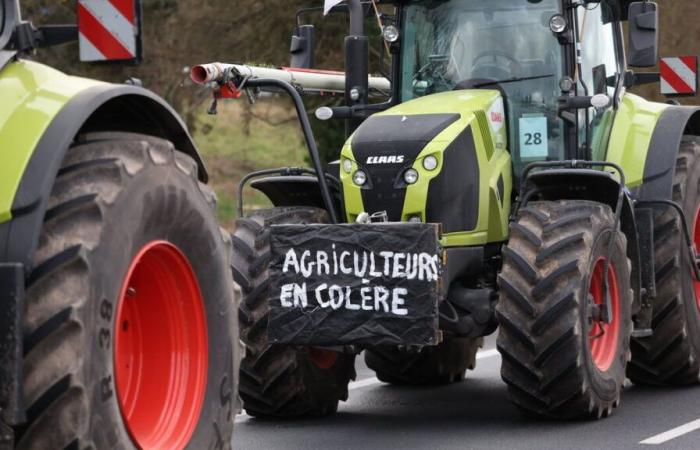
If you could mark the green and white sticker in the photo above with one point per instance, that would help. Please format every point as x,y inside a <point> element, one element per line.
<point>534,139</point>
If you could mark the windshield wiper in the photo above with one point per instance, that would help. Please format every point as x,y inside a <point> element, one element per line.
<point>512,80</point>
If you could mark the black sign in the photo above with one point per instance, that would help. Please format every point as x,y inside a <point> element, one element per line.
<point>371,284</point>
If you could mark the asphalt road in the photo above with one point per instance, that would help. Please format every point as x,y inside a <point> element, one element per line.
<point>475,414</point>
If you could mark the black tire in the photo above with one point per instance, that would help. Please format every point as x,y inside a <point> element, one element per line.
<point>544,314</point>
<point>671,356</point>
<point>279,380</point>
<point>443,364</point>
<point>115,193</point>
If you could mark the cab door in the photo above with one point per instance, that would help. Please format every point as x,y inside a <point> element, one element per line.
<point>601,66</point>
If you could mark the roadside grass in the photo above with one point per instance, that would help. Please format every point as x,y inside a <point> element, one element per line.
<point>233,147</point>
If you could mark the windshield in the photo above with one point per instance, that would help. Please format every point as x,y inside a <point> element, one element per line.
<point>494,44</point>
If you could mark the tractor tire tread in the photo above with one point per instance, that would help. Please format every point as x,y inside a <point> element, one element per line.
<point>670,356</point>
<point>540,336</point>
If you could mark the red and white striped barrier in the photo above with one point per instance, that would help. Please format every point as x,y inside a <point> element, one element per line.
<point>679,76</point>
<point>108,30</point>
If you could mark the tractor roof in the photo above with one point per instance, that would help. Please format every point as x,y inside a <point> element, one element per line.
<point>617,8</point>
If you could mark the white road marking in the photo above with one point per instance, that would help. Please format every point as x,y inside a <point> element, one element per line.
<point>359,384</point>
<point>672,434</point>
<point>363,383</point>
<point>242,417</point>
<point>487,354</point>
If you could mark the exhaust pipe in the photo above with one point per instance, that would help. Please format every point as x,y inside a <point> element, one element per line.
<point>207,73</point>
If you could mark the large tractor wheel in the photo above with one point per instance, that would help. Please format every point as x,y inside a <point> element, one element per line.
<point>280,380</point>
<point>671,356</point>
<point>560,359</point>
<point>443,364</point>
<point>129,323</point>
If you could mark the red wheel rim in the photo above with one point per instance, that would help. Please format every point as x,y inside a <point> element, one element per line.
<point>324,359</point>
<point>160,348</point>
<point>603,337</point>
<point>696,241</point>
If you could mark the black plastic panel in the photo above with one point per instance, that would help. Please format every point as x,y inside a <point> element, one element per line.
<point>415,128</point>
<point>453,196</point>
<point>354,284</point>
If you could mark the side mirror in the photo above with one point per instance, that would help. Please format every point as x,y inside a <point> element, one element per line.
<point>643,34</point>
<point>303,47</point>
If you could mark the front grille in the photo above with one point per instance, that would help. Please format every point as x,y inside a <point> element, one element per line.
<point>383,196</point>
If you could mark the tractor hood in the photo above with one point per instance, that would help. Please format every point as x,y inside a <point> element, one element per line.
<point>398,136</point>
<point>424,118</point>
<point>444,138</point>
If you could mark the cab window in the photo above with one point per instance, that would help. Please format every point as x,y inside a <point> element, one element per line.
<point>599,72</point>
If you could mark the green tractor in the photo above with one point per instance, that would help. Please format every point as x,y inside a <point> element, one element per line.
<point>117,305</point>
<point>510,182</point>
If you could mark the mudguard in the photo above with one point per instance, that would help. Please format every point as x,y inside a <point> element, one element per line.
<point>45,112</point>
<point>660,165</point>
<point>293,191</point>
<point>630,137</point>
<point>645,140</point>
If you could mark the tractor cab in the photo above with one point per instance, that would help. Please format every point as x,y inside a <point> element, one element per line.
<point>525,50</point>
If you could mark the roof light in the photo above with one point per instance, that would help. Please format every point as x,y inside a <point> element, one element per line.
<point>390,33</point>
<point>558,24</point>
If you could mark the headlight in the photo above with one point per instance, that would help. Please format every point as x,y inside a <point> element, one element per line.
<point>410,176</point>
<point>430,163</point>
<point>360,178</point>
<point>347,165</point>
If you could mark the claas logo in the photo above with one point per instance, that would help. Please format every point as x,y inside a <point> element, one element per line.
<point>393,159</point>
